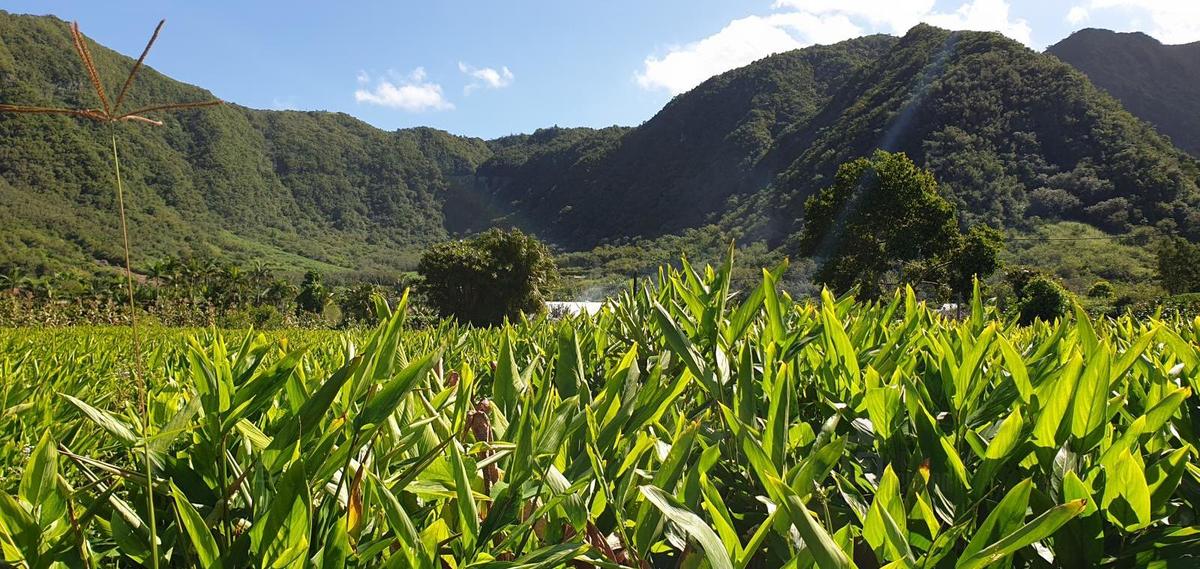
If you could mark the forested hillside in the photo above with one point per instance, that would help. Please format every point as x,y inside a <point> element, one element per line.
<point>676,170</point>
<point>1012,135</point>
<point>302,188</point>
<point>1009,133</point>
<point>1158,83</point>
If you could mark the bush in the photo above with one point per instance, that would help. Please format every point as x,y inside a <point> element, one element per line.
<point>484,280</point>
<point>1100,289</point>
<point>1043,298</point>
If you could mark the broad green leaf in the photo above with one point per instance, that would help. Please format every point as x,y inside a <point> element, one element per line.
<point>1054,398</point>
<point>207,551</point>
<point>388,398</point>
<point>1004,519</point>
<point>468,514</point>
<point>824,550</point>
<point>107,421</point>
<point>885,523</point>
<point>1040,528</point>
<point>280,539</point>
<point>1126,496</point>
<point>691,524</point>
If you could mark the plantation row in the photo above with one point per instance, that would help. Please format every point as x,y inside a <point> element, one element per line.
<point>684,426</point>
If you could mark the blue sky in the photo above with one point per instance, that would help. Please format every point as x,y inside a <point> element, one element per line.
<point>494,67</point>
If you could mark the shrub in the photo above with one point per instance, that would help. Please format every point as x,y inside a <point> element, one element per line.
<point>484,280</point>
<point>1043,298</point>
<point>1101,289</point>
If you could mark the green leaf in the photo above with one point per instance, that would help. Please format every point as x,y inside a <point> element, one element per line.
<point>883,406</point>
<point>1054,398</point>
<point>1007,439</point>
<point>467,512</point>
<point>569,376</point>
<point>507,386</point>
<point>280,539</point>
<point>1006,518</point>
<point>39,483</point>
<point>1162,411</point>
<point>385,402</point>
<point>107,421</point>
<point>1016,368</point>
<point>22,528</point>
<point>1040,528</point>
<point>1089,406</point>
<point>824,550</point>
<point>776,435</point>
<point>885,522</point>
<point>302,425</point>
<point>691,524</point>
<point>203,543</point>
<point>667,476</point>
<point>1163,477</point>
<point>1126,496</point>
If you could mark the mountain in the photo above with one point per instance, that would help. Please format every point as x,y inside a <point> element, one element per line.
<point>677,169</point>
<point>1009,133</point>
<point>1013,135</point>
<point>306,189</point>
<point>1158,83</point>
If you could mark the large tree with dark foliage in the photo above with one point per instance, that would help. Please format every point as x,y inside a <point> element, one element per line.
<point>488,278</point>
<point>883,216</point>
<point>1179,265</point>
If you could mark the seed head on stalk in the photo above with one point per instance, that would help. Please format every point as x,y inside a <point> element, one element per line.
<point>111,114</point>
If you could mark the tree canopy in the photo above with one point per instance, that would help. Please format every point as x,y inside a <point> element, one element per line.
<point>883,217</point>
<point>491,277</point>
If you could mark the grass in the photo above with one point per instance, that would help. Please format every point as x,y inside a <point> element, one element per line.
<point>687,425</point>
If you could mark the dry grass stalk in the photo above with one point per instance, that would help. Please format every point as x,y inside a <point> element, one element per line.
<point>111,114</point>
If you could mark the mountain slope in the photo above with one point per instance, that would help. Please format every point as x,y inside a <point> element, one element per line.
<point>229,180</point>
<point>1011,134</point>
<point>677,169</point>
<point>1008,132</point>
<point>1158,83</point>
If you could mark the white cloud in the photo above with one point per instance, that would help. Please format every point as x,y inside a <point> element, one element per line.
<point>739,43</point>
<point>284,103</point>
<point>801,23</point>
<point>410,93</point>
<point>1077,15</point>
<point>1172,21</point>
<point>486,77</point>
<point>897,16</point>
<point>984,16</point>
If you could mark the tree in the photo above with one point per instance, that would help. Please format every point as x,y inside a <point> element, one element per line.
<point>883,215</point>
<point>974,256</point>
<point>1179,265</point>
<point>488,278</point>
<point>1042,298</point>
<point>313,297</point>
<point>357,303</point>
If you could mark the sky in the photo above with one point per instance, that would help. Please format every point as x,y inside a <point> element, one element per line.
<point>490,68</point>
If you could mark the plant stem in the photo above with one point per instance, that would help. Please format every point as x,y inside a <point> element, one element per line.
<point>139,376</point>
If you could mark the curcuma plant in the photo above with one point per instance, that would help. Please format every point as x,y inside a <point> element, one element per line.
<point>686,425</point>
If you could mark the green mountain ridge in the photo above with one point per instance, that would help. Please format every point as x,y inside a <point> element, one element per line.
<point>1011,134</point>
<point>222,181</point>
<point>1158,83</point>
